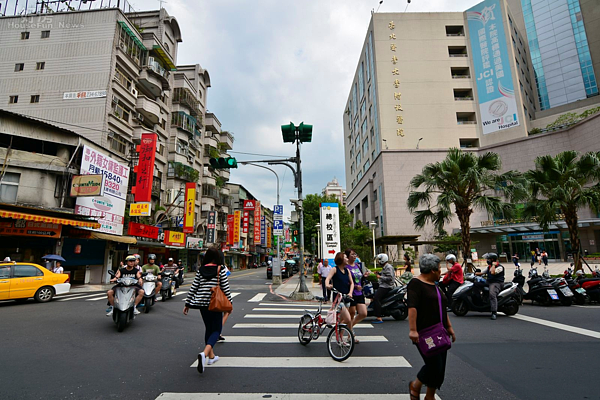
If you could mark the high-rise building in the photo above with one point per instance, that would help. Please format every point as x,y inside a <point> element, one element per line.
<point>334,188</point>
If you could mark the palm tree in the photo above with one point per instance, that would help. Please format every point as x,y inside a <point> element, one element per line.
<point>465,181</point>
<point>561,185</point>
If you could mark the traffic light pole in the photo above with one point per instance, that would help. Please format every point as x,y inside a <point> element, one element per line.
<point>303,288</point>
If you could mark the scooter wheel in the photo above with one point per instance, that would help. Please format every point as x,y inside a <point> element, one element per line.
<point>121,321</point>
<point>163,295</point>
<point>400,315</point>
<point>511,308</point>
<point>566,301</point>
<point>460,308</point>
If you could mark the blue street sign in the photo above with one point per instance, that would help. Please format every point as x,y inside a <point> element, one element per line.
<point>278,227</point>
<point>278,211</point>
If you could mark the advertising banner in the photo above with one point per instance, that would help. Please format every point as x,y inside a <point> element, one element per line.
<point>87,185</point>
<point>249,205</point>
<point>174,239</point>
<point>210,227</point>
<point>330,230</point>
<point>139,209</point>
<point>237,216</point>
<point>245,221</point>
<point>108,209</point>
<point>145,168</point>
<point>263,231</point>
<point>495,89</point>
<point>142,230</point>
<point>230,222</point>
<point>257,222</point>
<point>21,227</point>
<point>269,235</point>
<point>194,243</point>
<point>190,207</point>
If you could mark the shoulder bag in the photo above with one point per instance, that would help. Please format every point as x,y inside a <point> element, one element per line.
<point>434,339</point>
<point>218,300</point>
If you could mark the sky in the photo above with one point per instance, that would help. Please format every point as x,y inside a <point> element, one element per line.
<point>272,62</point>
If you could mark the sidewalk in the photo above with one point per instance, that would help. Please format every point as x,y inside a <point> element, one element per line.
<point>291,285</point>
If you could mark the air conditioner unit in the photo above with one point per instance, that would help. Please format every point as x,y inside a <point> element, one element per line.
<point>122,45</point>
<point>139,117</point>
<point>134,92</point>
<point>190,158</point>
<point>115,99</point>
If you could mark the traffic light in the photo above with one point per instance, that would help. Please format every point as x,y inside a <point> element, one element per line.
<point>305,132</point>
<point>223,163</point>
<point>289,133</point>
<point>295,236</point>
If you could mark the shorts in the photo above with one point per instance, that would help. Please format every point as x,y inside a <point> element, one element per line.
<point>357,300</point>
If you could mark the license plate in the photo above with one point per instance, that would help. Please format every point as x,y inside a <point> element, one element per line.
<point>553,294</point>
<point>580,290</point>
<point>566,291</point>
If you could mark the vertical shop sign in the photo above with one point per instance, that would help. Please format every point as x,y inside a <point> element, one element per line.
<point>263,231</point>
<point>210,227</point>
<point>190,207</point>
<point>257,222</point>
<point>245,221</point>
<point>237,217</point>
<point>269,234</point>
<point>145,168</point>
<point>230,221</point>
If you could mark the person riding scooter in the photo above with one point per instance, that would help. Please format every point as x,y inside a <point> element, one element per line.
<point>495,280</point>
<point>386,283</point>
<point>174,268</point>
<point>453,278</point>
<point>128,272</point>
<point>154,269</point>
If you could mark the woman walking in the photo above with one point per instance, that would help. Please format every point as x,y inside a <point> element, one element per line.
<point>210,274</point>
<point>424,311</point>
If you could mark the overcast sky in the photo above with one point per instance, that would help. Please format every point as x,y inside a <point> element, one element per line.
<point>276,61</point>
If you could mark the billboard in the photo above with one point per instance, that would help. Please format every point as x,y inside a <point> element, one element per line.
<point>190,205</point>
<point>109,208</point>
<point>495,89</point>
<point>256,223</point>
<point>176,239</point>
<point>145,168</point>
<point>237,216</point>
<point>330,230</point>
<point>142,230</point>
<point>87,185</point>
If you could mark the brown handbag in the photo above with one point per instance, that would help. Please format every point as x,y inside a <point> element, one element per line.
<point>218,300</point>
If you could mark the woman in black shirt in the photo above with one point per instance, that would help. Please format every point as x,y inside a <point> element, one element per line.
<point>423,312</point>
<point>340,279</point>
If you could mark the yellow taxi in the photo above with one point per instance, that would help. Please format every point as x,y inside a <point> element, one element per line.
<point>20,281</point>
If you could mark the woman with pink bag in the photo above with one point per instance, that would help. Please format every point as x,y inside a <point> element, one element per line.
<point>430,327</point>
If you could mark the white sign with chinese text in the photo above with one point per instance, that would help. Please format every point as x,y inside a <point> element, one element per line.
<point>86,94</point>
<point>330,230</point>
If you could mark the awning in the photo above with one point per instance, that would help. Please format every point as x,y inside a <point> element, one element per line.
<point>132,35</point>
<point>164,57</point>
<point>50,220</point>
<point>147,243</point>
<point>119,239</point>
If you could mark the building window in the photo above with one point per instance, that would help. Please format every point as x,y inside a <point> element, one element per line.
<point>9,187</point>
<point>35,98</point>
<point>40,65</point>
<point>121,112</point>
<point>181,147</point>
<point>19,67</point>
<point>13,99</point>
<point>123,79</point>
<point>45,34</point>
<point>117,143</point>
<point>24,35</point>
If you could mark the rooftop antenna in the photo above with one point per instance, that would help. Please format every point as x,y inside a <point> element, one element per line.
<point>161,2</point>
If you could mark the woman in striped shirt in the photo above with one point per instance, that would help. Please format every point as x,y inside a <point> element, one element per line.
<point>199,297</point>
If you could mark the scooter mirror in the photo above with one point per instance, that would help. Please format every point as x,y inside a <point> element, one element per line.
<point>111,273</point>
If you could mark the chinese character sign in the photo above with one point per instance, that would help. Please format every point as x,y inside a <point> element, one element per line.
<point>269,235</point>
<point>495,89</point>
<point>237,216</point>
<point>108,209</point>
<point>210,227</point>
<point>174,239</point>
<point>142,230</point>
<point>230,221</point>
<point>139,209</point>
<point>330,230</point>
<point>263,232</point>
<point>245,221</point>
<point>190,207</point>
<point>257,223</point>
<point>145,168</point>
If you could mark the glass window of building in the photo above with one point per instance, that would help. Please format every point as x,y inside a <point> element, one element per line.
<point>9,187</point>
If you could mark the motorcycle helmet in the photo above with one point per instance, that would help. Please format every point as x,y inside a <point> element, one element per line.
<point>579,273</point>
<point>130,258</point>
<point>451,258</point>
<point>151,256</point>
<point>382,259</point>
<point>493,257</point>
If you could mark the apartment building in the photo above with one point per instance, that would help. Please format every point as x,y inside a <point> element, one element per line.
<point>334,188</point>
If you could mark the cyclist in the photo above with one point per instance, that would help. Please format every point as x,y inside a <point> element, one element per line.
<point>340,279</point>
<point>128,272</point>
<point>154,269</point>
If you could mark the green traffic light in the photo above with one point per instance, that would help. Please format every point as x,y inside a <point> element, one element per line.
<point>289,133</point>
<point>223,163</point>
<point>305,132</point>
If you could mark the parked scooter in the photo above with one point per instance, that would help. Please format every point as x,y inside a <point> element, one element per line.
<point>519,279</point>
<point>149,287</point>
<point>168,286</point>
<point>579,294</point>
<point>124,301</point>
<point>540,290</point>
<point>565,294</point>
<point>464,298</point>
<point>591,286</point>
<point>393,304</point>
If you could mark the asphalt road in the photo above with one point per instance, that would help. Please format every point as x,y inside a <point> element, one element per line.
<point>69,349</point>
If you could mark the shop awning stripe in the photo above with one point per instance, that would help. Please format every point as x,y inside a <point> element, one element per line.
<point>50,220</point>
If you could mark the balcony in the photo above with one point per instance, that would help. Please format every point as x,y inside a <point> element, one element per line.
<point>224,191</point>
<point>455,30</point>
<point>150,109</point>
<point>209,180</point>
<point>466,118</point>
<point>227,140</point>
<point>185,122</point>
<point>210,191</point>
<point>457,51</point>
<point>186,98</point>
<point>225,174</point>
<point>463,94</point>
<point>212,123</point>
<point>156,188</point>
<point>210,140</point>
<point>460,72</point>
<point>151,82</point>
<point>182,171</point>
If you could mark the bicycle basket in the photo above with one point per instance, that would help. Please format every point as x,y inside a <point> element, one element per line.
<point>330,318</point>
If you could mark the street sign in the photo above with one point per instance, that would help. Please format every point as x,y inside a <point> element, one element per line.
<point>278,212</point>
<point>330,230</point>
<point>278,227</point>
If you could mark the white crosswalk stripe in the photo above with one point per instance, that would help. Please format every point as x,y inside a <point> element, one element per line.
<point>291,339</point>
<point>286,326</point>
<point>103,297</point>
<point>77,297</point>
<point>282,396</point>
<point>274,316</point>
<point>310,362</point>
<point>258,298</point>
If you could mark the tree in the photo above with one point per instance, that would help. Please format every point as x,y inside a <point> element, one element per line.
<point>563,183</point>
<point>465,181</point>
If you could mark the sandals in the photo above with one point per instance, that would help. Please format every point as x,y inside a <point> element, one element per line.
<point>411,391</point>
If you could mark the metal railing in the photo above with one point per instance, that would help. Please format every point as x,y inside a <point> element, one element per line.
<point>461,76</point>
<point>458,55</point>
<point>463,98</point>
<point>466,122</point>
<point>155,67</point>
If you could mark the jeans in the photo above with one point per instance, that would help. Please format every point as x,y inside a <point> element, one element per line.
<point>213,322</point>
<point>326,292</point>
<point>433,372</point>
<point>495,288</point>
<point>379,295</point>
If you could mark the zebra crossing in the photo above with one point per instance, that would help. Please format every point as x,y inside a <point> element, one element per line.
<point>86,296</point>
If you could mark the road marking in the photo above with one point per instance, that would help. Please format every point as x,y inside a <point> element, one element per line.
<point>568,328</point>
<point>586,306</point>
<point>307,304</point>
<point>78,297</point>
<point>63,296</point>
<point>97,298</point>
<point>289,339</point>
<point>310,362</point>
<point>258,298</point>
<point>178,293</point>
<point>281,309</point>
<point>280,396</point>
<point>237,276</point>
<point>273,316</point>
<point>234,294</point>
<point>286,326</point>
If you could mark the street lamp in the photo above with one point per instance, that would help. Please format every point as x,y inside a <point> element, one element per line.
<point>373,224</point>
<point>318,226</point>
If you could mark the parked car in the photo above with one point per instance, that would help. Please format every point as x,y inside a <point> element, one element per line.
<point>286,270</point>
<point>21,281</point>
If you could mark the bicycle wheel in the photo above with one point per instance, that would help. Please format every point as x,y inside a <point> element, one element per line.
<point>340,343</point>
<point>305,329</point>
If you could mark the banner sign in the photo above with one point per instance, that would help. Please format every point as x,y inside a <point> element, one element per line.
<point>263,231</point>
<point>142,230</point>
<point>139,209</point>
<point>495,89</point>
<point>194,243</point>
<point>287,234</point>
<point>237,216</point>
<point>269,234</point>
<point>230,221</point>
<point>87,185</point>
<point>257,222</point>
<point>190,207</point>
<point>86,94</point>
<point>108,209</point>
<point>210,227</point>
<point>174,239</point>
<point>330,230</point>
<point>249,205</point>
<point>22,227</point>
<point>145,168</point>
<point>245,221</point>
